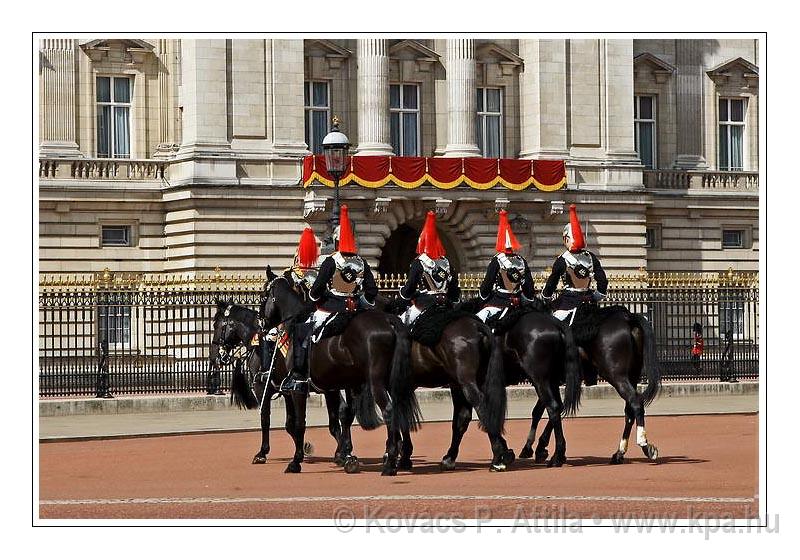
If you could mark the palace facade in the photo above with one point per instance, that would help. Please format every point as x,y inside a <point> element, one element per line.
<point>186,155</point>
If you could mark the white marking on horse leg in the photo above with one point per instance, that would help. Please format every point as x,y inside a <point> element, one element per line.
<point>623,445</point>
<point>641,436</point>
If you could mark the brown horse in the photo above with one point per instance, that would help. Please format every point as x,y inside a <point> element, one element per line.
<point>369,360</point>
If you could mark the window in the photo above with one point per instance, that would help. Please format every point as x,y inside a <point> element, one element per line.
<point>113,318</point>
<point>115,236</point>
<point>731,318</point>
<point>113,117</point>
<point>644,129</point>
<point>731,134</point>
<point>651,238</point>
<point>733,239</point>
<point>404,119</point>
<point>317,114</point>
<point>490,122</point>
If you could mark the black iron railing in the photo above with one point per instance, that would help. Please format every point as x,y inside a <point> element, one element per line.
<point>158,330</point>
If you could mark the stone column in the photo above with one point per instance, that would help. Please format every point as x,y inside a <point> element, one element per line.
<point>543,99</point>
<point>689,84</point>
<point>167,145</point>
<point>285,96</point>
<point>619,100</point>
<point>461,99</point>
<point>204,97</point>
<point>57,131</point>
<point>373,98</point>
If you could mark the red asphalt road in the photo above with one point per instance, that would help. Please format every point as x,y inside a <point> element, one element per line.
<point>708,467</point>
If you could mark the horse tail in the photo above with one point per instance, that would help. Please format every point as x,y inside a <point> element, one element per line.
<point>494,401</point>
<point>651,366</point>
<point>405,415</point>
<point>572,371</point>
<point>241,393</point>
<point>365,408</point>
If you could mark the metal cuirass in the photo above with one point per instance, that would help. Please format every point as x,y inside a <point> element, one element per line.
<point>580,269</point>
<point>349,274</point>
<point>512,271</point>
<point>436,274</point>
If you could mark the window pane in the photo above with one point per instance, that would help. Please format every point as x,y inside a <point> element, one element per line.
<point>732,238</point>
<point>122,90</point>
<point>723,147</point>
<point>307,126</point>
<point>737,133</point>
<point>103,131</point>
<point>116,235</point>
<point>394,132</point>
<point>737,110</point>
<point>320,127</point>
<point>650,238</point>
<point>122,140</point>
<point>410,134</point>
<point>320,94</point>
<point>646,144</point>
<point>493,100</point>
<point>492,137</point>
<point>479,131</point>
<point>410,97</point>
<point>394,96</point>
<point>104,89</point>
<point>480,100</point>
<point>306,96</point>
<point>723,109</point>
<point>635,107</point>
<point>645,107</point>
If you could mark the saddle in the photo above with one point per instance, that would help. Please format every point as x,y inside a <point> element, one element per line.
<point>335,325</point>
<point>428,327</point>
<point>504,322</point>
<point>589,317</point>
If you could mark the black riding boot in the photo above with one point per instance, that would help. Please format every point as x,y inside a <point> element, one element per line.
<point>267,349</point>
<point>297,379</point>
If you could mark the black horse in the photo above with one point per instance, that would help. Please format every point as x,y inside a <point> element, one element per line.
<point>537,347</point>
<point>369,360</point>
<point>468,361</point>
<point>620,345</point>
<point>234,329</point>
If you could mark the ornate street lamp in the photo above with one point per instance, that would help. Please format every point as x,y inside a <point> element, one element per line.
<point>335,147</point>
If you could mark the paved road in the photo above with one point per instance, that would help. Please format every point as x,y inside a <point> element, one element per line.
<point>708,467</point>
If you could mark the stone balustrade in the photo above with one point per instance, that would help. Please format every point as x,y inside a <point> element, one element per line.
<point>746,181</point>
<point>103,169</point>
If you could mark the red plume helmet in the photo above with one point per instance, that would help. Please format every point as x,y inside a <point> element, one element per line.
<point>506,240</point>
<point>307,250</point>
<point>347,243</point>
<point>429,242</point>
<point>573,232</point>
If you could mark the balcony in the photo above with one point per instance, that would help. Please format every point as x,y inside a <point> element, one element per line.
<point>103,169</point>
<point>676,179</point>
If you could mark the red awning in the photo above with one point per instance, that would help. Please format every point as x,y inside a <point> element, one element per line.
<point>444,173</point>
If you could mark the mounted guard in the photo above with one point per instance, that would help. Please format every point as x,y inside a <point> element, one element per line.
<point>345,283</point>
<point>508,282</point>
<point>576,268</point>
<point>430,279</point>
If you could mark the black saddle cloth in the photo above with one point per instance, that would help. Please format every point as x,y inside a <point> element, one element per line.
<point>589,317</point>
<point>428,327</point>
<point>337,324</point>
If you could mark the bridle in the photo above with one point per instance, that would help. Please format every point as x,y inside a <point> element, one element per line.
<point>228,352</point>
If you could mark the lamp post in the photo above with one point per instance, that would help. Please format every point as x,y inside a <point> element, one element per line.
<point>335,146</point>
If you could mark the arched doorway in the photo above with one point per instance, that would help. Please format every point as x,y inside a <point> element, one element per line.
<point>401,248</point>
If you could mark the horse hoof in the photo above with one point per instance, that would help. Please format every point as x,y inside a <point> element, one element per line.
<point>293,468</point>
<point>259,460</point>
<point>541,456</point>
<point>447,464</point>
<point>508,457</point>
<point>389,471</point>
<point>526,453</point>
<point>404,464</point>
<point>308,448</point>
<point>351,465</point>
<point>555,462</point>
<point>650,451</point>
<point>617,458</point>
<point>499,467</point>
